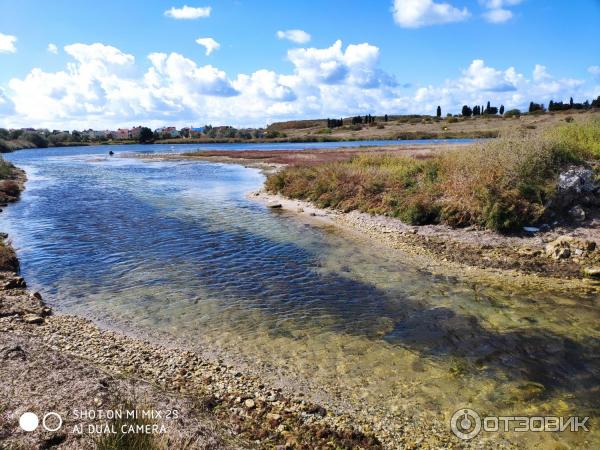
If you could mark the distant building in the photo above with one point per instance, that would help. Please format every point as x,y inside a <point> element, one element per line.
<point>122,133</point>
<point>95,134</point>
<point>196,132</point>
<point>171,131</point>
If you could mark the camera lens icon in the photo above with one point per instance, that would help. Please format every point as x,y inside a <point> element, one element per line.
<point>30,421</point>
<point>465,424</point>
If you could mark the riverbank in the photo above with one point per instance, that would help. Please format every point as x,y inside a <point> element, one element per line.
<point>534,255</point>
<point>272,160</point>
<point>72,364</point>
<point>529,203</point>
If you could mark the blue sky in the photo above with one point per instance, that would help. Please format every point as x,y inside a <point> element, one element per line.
<point>404,56</point>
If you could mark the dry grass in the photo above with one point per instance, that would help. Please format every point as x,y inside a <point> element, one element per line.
<point>10,188</point>
<point>500,184</point>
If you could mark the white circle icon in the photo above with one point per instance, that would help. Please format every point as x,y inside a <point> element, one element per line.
<point>57,421</point>
<point>465,424</point>
<point>29,421</point>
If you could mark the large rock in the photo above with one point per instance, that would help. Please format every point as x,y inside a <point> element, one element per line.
<point>567,246</point>
<point>577,180</point>
<point>576,186</point>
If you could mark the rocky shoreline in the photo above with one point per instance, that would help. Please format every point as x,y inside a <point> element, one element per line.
<point>245,409</point>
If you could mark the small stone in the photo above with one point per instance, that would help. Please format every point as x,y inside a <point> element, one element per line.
<point>249,403</point>
<point>33,319</point>
<point>592,272</point>
<point>274,205</point>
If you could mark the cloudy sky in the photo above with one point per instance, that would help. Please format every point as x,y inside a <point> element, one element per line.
<point>67,64</point>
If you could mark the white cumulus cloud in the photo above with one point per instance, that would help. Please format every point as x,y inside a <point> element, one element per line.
<point>52,48</point>
<point>479,77</point>
<point>105,87</point>
<point>297,36</point>
<point>420,13</point>
<point>7,43</point>
<point>594,70</point>
<point>209,44</point>
<point>188,12</point>
<point>87,53</point>
<point>497,10</point>
<point>498,15</point>
<point>356,65</point>
<point>540,73</point>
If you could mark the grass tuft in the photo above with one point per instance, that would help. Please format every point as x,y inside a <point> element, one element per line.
<point>128,441</point>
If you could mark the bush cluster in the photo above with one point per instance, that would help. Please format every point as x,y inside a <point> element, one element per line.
<point>501,184</point>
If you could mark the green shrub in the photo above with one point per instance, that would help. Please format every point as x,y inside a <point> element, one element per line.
<point>582,138</point>
<point>6,169</point>
<point>36,139</point>
<point>513,113</point>
<point>324,131</point>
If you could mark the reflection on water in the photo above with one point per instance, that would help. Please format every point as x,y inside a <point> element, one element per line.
<point>176,247</point>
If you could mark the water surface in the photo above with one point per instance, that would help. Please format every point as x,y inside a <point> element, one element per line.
<point>176,248</point>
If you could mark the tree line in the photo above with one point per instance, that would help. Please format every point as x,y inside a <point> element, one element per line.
<point>356,120</point>
<point>478,110</point>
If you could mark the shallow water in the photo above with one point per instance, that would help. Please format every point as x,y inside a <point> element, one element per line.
<point>176,247</point>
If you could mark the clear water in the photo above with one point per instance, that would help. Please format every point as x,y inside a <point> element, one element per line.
<point>176,248</point>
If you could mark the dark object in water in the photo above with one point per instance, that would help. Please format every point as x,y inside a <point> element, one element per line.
<point>111,153</point>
